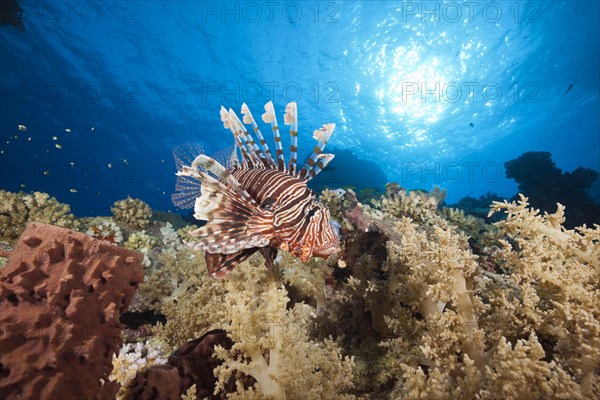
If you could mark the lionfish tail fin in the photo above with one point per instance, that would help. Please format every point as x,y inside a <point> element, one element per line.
<point>220,265</point>
<point>291,118</point>
<point>322,136</point>
<point>269,117</point>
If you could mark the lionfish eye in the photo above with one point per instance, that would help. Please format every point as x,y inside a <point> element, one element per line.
<point>311,213</point>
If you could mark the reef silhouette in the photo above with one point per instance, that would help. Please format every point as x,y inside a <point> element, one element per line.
<point>545,185</point>
<point>348,170</point>
<point>11,14</point>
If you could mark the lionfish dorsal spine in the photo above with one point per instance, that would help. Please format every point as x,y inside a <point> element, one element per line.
<point>322,161</point>
<point>270,117</point>
<point>291,118</point>
<point>227,124</point>
<point>256,156</point>
<point>322,136</point>
<point>249,119</point>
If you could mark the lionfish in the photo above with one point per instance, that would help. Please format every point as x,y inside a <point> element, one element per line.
<point>259,204</point>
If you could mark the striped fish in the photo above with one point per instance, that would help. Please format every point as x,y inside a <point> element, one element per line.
<point>258,204</point>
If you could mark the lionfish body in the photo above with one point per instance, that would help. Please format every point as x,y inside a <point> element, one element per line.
<point>260,204</point>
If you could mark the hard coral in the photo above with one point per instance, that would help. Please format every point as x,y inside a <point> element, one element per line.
<point>17,209</point>
<point>132,212</point>
<point>61,295</point>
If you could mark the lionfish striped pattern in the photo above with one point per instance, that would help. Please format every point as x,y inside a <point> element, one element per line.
<point>259,203</point>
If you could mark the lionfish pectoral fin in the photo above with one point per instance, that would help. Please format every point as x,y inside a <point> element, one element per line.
<point>270,254</point>
<point>220,265</point>
<point>235,221</point>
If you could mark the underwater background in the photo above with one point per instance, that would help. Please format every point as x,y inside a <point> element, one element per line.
<point>423,93</point>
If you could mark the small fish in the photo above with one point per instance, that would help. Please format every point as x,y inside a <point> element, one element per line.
<point>46,172</point>
<point>109,165</point>
<point>93,128</point>
<point>471,125</point>
<point>29,139</point>
<point>569,88</point>
<point>261,204</point>
<point>73,190</point>
<point>22,128</point>
<point>54,138</point>
<point>58,146</point>
<point>67,130</point>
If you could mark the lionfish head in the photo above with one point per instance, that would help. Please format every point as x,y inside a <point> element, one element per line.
<point>321,234</point>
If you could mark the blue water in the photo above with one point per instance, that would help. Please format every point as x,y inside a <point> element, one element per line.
<point>433,93</point>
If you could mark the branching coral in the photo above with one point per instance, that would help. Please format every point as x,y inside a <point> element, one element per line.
<point>17,209</point>
<point>132,212</point>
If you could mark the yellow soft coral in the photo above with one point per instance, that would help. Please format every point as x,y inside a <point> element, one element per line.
<point>272,345</point>
<point>557,270</point>
<point>186,295</point>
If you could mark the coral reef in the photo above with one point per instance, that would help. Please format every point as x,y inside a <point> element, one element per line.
<point>18,209</point>
<point>423,302</point>
<point>132,212</point>
<point>183,292</point>
<point>61,295</point>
